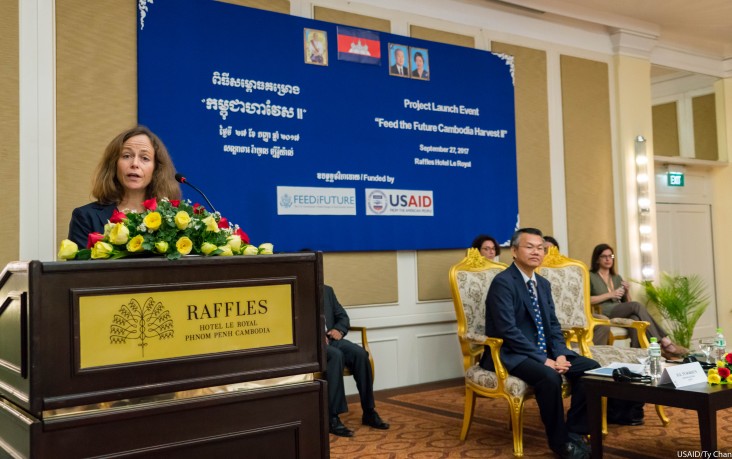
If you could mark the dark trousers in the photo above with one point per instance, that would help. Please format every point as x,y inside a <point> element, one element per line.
<point>341,354</point>
<point>547,384</point>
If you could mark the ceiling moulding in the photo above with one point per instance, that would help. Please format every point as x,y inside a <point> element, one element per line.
<point>633,43</point>
<point>727,68</point>
<point>681,59</point>
<point>586,14</point>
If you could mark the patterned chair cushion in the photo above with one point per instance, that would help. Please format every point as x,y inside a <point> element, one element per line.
<point>567,292</point>
<point>482,377</point>
<point>473,288</point>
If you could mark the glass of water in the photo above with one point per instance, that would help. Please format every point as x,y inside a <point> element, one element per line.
<point>706,346</point>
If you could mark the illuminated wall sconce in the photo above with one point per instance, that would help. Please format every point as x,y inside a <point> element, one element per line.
<point>644,209</point>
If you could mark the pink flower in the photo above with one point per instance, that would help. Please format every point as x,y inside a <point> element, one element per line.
<point>151,204</point>
<point>223,223</point>
<point>93,239</point>
<point>244,236</point>
<point>117,216</point>
<point>175,202</point>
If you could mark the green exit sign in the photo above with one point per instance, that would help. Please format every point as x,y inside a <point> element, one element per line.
<point>675,178</point>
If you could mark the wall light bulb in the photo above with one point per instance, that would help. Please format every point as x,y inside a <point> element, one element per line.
<point>641,160</point>
<point>646,247</point>
<point>644,203</point>
<point>647,272</point>
<point>642,178</point>
<point>645,229</point>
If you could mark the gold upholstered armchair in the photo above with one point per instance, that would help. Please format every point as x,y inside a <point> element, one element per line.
<point>570,280</point>
<point>469,283</point>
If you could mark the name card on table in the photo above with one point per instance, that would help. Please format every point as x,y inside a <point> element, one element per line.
<point>684,375</point>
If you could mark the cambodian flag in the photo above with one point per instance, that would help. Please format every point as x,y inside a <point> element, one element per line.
<point>359,45</point>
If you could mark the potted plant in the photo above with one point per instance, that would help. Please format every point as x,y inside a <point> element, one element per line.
<point>681,300</point>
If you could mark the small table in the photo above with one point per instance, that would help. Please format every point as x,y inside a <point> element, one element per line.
<point>704,398</point>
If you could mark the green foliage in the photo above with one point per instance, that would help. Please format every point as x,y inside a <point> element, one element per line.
<point>681,300</point>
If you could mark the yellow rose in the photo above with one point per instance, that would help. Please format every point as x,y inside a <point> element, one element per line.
<point>266,248</point>
<point>101,250</point>
<point>234,241</point>
<point>250,250</point>
<point>153,220</point>
<point>135,244</point>
<point>207,248</point>
<point>161,247</point>
<point>184,245</point>
<point>182,219</point>
<point>225,251</point>
<point>119,234</point>
<point>68,250</point>
<point>714,379</point>
<point>211,224</point>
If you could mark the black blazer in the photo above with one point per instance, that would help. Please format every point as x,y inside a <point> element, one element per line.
<point>509,315</point>
<point>90,218</point>
<point>335,315</point>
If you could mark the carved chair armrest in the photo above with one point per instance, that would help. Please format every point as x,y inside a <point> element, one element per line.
<point>583,340</point>
<point>639,325</point>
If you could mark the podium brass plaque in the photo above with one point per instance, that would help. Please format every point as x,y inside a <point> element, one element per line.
<point>152,325</point>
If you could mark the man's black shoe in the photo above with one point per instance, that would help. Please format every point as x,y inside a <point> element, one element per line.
<point>374,420</point>
<point>337,428</point>
<point>572,450</point>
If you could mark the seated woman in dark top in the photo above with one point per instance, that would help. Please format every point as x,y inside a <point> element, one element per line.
<point>136,166</point>
<point>612,294</point>
<point>487,246</point>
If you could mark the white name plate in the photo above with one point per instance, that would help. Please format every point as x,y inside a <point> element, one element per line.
<point>684,375</point>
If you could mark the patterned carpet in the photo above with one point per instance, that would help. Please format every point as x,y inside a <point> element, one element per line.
<point>426,422</point>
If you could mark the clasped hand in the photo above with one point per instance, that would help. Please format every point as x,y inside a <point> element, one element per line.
<point>334,334</point>
<point>561,365</point>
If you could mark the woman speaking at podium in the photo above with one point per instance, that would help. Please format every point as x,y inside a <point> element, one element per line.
<point>136,166</point>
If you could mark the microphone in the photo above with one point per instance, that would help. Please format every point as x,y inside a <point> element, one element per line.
<point>181,179</point>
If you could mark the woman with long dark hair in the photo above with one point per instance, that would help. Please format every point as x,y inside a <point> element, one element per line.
<point>609,291</point>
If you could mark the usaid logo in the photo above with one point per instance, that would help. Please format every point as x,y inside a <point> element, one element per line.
<point>376,202</point>
<point>404,203</point>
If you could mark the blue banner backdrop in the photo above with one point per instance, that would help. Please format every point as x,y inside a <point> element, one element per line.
<point>305,144</point>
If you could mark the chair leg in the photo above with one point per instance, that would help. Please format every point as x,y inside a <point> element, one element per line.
<point>516,406</point>
<point>662,415</point>
<point>604,416</point>
<point>468,415</point>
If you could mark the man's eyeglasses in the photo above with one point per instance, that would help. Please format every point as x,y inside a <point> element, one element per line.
<point>532,248</point>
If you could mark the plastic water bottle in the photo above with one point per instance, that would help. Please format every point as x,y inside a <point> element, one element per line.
<point>654,358</point>
<point>720,346</point>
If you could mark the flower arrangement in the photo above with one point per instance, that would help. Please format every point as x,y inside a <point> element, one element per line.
<point>720,374</point>
<point>168,228</point>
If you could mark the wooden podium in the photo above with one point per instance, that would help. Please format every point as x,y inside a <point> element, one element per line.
<point>149,357</point>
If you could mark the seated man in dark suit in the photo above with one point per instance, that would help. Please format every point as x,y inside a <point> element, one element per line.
<point>343,353</point>
<point>520,309</point>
